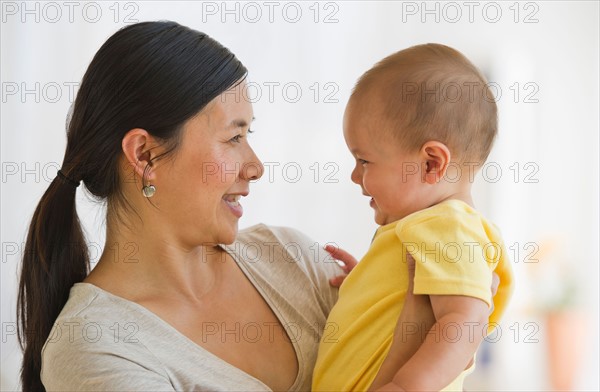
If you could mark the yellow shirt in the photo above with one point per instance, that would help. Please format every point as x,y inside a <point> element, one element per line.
<point>455,249</point>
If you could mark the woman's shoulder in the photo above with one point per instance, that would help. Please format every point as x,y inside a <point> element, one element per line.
<point>262,231</point>
<point>97,332</point>
<point>288,260</point>
<point>94,305</point>
<point>92,319</point>
<point>281,244</point>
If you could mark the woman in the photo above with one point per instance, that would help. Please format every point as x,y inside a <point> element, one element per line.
<point>159,131</point>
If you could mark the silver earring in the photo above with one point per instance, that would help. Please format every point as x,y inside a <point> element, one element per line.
<point>149,190</point>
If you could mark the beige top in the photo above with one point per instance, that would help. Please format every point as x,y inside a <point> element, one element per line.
<point>104,342</point>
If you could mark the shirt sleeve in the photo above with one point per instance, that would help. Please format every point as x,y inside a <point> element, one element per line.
<point>453,255</point>
<point>87,356</point>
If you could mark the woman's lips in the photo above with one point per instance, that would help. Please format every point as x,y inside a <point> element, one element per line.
<point>233,203</point>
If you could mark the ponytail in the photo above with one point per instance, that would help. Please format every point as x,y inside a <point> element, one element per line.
<point>54,259</point>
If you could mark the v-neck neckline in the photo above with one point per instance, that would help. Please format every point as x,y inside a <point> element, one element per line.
<point>240,262</point>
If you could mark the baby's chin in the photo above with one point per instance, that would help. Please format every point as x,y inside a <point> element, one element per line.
<point>385,219</point>
<point>382,219</point>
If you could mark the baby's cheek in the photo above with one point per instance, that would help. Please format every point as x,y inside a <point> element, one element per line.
<point>369,186</point>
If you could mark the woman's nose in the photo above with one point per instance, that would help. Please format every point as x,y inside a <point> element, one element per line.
<point>253,168</point>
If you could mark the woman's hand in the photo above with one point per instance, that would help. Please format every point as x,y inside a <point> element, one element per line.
<point>346,260</point>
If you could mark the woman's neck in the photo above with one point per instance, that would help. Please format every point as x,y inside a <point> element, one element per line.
<point>138,267</point>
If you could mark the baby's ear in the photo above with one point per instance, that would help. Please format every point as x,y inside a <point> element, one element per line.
<point>436,158</point>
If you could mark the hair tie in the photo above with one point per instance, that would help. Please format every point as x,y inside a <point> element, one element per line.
<point>67,179</point>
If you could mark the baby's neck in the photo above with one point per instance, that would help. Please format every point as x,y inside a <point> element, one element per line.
<point>463,196</point>
<point>456,191</point>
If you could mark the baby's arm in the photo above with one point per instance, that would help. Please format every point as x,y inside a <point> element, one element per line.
<point>415,320</point>
<point>448,347</point>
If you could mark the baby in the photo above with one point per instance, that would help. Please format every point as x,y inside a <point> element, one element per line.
<point>419,124</point>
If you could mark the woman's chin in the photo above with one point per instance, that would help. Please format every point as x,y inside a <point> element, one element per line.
<point>228,236</point>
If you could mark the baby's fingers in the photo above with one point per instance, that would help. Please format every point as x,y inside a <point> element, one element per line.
<point>349,262</point>
<point>337,281</point>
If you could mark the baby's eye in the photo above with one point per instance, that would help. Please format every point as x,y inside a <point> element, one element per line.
<point>362,161</point>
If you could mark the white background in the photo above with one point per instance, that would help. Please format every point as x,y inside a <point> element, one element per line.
<point>541,183</point>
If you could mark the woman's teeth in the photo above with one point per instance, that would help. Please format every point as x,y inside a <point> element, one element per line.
<point>233,200</point>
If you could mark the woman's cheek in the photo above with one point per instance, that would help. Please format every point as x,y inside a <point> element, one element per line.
<point>224,168</point>
<point>211,173</point>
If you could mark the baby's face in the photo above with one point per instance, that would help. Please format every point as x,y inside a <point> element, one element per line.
<point>389,174</point>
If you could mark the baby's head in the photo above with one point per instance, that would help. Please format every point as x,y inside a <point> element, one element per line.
<point>416,115</point>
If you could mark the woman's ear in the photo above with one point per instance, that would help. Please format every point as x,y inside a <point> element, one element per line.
<point>137,145</point>
<point>436,157</point>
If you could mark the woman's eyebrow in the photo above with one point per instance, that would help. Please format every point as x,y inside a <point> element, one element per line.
<point>239,123</point>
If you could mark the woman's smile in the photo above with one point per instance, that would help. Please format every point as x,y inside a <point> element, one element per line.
<point>233,203</point>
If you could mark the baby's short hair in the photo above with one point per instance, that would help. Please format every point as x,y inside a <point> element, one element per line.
<point>433,92</point>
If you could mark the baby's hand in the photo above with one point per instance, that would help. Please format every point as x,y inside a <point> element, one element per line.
<point>346,260</point>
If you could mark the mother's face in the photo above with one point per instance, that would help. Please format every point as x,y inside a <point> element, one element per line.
<point>210,172</point>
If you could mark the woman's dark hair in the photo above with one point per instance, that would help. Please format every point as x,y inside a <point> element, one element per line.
<point>150,75</point>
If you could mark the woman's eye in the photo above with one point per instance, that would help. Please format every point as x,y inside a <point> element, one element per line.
<point>362,161</point>
<point>236,139</point>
